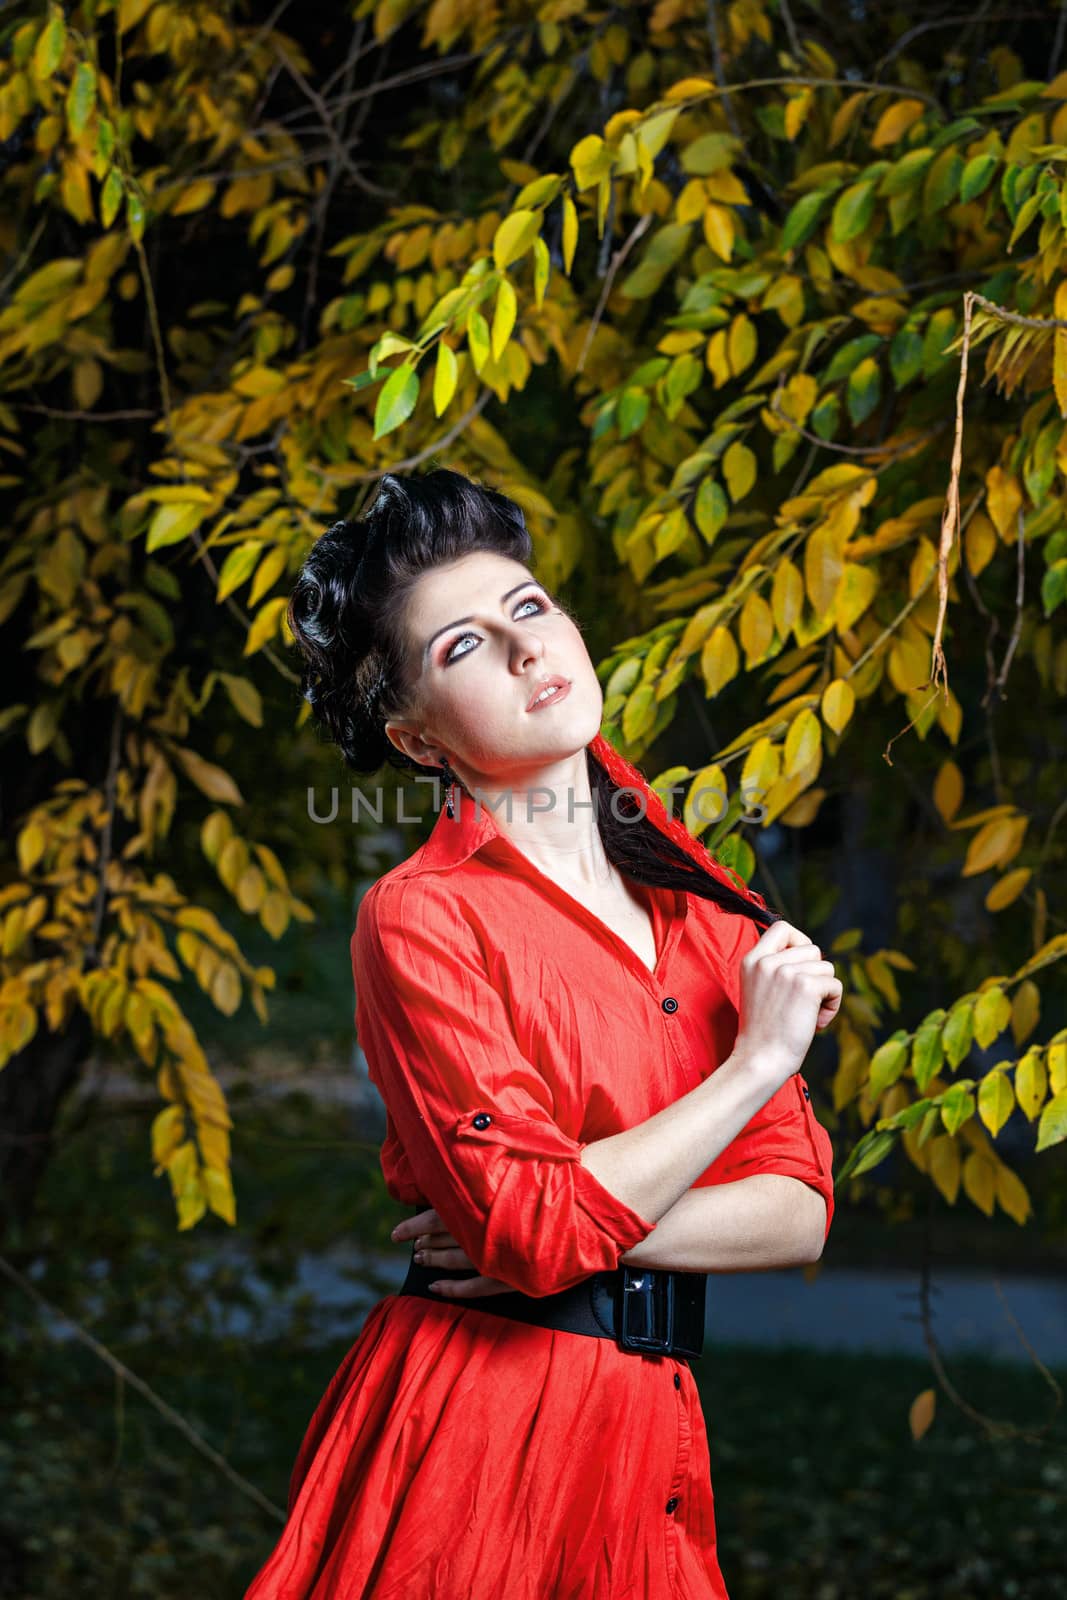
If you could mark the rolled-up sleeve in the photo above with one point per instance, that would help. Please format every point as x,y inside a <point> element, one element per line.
<point>472,1112</point>
<point>786,1137</point>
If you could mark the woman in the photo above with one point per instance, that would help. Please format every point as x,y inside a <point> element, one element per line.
<point>589,1055</point>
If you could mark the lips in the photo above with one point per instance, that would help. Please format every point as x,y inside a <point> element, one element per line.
<point>562,685</point>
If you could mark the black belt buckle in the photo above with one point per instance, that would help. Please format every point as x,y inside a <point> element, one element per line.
<point>659,1312</point>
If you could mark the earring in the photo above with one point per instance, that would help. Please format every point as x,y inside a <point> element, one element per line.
<point>450,779</point>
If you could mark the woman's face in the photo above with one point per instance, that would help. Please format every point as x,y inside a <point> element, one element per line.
<point>473,679</point>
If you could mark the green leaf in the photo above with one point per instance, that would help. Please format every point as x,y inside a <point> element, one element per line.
<point>632,411</point>
<point>1054,586</point>
<point>825,417</point>
<point>927,1050</point>
<point>664,251</point>
<point>238,567</point>
<point>977,175</point>
<point>958,1105</point>
<point>48,51</point>
<point>802,218</point>
<point>853,212</point>
<point>867,1153</point>
<point>711,508</point>
<point>942,181</point>
<point>514,237</point>
<point>906,173</point>
<point>172,523</point>
<point>850,355</point>
<point>958,1032</point>
<point>888,1062</point>
<point>905,355</point>
<point>864,390</point>
<point>1052,1128</point>
<point>396,401</point>
<point>111,197</point>
<point>81,97</point>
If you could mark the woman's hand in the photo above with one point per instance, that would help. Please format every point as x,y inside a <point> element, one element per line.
<point>788,993</point>
<point>436,1248</point>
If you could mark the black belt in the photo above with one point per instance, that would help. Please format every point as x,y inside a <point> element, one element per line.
<point>644,1309</point>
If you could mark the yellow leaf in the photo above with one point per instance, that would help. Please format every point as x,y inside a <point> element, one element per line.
<point>719,660</point>
<point>1059,369</point>
<point>194,197</point>
<point>921,1412</point>
<point>250,890</point>
<point>1012,1196</point>
<point>503,317</point>
<point>948,790</point>
<point>707,801</point>
<point>803,743</point>
<point>845,116</point>
<point>996,1100</point>
<point>716,360</point>
<point>742,344</point>
<point>979,1180</point>
<point>274,913</point>
<point>739,470</point>
<point>719,229</point>
<point>945,1166</point>
<point>796,112</point>
<point>444,378</point>
<point>168,1132</point>
<point>265,625</point>
<point>761,771</point>
<point>31,845</point>
<point>787,595</point>
<point>219,1191</point>
<point>209,779</point>
<point>1007,889</point>
<point>755,628</point>
<point>823,568</point>
<point>226,988</point>
<point>570,232</point>
<point>1003,497</point>
<point>1031,1082</point>
<point>994,845</point>
<point>979,543</point>
<point>244,697</point>
<point>894,123</point>
<point>1025,1010</point>
<point>838,702</point>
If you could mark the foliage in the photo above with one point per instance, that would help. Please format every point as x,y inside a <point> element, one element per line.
<point>744,270</point>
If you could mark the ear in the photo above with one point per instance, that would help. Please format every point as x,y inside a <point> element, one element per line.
<point>410,742</point>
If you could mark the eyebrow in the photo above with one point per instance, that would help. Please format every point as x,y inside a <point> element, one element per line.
<point>504,598</point>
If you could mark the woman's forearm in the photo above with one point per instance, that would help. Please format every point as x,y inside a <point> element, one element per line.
<point>753,1224</point>
<point>651,1166</point>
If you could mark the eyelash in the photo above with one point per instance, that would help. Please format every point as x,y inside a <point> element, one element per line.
<point>531,599</point>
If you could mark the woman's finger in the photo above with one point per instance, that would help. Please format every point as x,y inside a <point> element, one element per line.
<point>469,1288</point>
<point>422,1222</point>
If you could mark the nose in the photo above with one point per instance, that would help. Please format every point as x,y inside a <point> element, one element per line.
<point>527,646</point>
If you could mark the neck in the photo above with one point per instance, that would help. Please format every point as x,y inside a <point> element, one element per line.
<point>548,816</point>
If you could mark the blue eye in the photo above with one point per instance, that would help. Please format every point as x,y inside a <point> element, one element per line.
<point>534,600</point>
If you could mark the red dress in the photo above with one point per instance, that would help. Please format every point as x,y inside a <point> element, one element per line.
<point>458,1455</point>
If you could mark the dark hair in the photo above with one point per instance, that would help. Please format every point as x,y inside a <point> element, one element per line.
<point>346,614</point>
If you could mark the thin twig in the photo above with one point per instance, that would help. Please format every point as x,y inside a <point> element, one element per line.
<point>642,226</point>
<point>720,72</point>
<point>136,414</point>
<point>121,1370</point>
